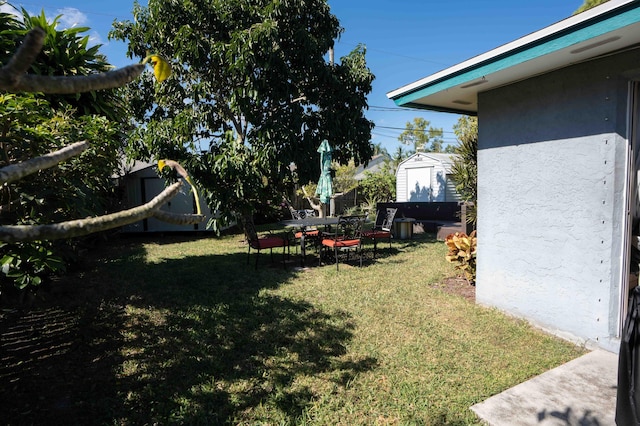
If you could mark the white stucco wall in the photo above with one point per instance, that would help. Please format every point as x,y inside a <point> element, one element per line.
<point>551,180</point>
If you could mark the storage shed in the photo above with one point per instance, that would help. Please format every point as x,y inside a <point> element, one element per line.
<point>424,177</point>
<point>141,184</point>
<point>558,116</point>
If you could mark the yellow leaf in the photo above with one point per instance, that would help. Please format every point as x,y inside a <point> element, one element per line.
<point>161,67</point>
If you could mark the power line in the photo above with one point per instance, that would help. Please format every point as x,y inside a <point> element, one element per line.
<point>395,54</point>
<point>404,128</point>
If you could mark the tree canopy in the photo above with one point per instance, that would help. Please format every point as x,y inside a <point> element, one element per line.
<point>420,135</point>
<point>252,91</point>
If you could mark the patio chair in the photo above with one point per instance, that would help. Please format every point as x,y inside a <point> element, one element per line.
<point>311,233</point>
<point>256,242</point>
<point>382,230</point>
<point>347,238</point>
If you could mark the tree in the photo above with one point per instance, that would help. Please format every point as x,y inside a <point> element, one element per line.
<point>379,187</point>
<point>31,185</point>
<point>252,93</point>
<point>464,171</point>
<point>421,136</point>
<point>588,4</point>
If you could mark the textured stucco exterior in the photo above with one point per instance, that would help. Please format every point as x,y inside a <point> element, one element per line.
<point>552,157</point>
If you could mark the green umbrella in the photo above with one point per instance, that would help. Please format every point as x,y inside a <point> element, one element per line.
<point>325,189</point>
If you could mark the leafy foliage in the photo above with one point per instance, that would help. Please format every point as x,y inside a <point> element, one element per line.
<point>462,250</point>
<point>421,136</point>
<point>380,186</point>
<point>34,124</point>
<point>27,264</point>
<point>588,4</point>
<point>251,93</point>
<point>65,53</point>
<point>344,180</point>
<point>464,171</point>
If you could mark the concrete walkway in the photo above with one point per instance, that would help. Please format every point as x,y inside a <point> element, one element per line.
<point>581,392</point>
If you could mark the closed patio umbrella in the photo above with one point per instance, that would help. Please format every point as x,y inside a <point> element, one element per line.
<point>628,394</point>
<point>325,189</point>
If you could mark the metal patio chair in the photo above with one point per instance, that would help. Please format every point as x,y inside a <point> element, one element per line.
<point>262,242</point>
<point>347,238</point>
<point>383,230</point>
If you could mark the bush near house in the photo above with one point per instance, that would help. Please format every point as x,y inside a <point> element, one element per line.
<point>462,250</point>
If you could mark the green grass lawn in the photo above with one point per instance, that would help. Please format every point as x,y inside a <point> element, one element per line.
<point>187,332</point>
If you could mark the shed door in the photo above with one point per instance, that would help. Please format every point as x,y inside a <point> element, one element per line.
<point>419,184</point>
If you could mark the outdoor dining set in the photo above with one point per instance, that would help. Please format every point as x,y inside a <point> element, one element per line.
<point>331,237</point>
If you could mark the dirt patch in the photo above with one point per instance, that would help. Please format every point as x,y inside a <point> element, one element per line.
<point>458,286</point>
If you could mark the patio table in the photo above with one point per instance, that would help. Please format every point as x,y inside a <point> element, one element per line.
<point>304,224</point>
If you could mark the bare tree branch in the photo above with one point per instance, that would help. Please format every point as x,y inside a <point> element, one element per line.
<point>75,84</point>
<point>178,219</point>
<point>14,77</point>
<point>17,171</point>
<point>80,227</point>
<point>316,206</point>
<point>22,59</point>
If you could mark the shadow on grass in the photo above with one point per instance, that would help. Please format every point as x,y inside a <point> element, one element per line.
<point>196,340</point>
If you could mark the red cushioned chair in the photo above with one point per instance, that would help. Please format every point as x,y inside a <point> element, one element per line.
<point>383,230</point>
<point>310,234</point>
<point>348,238</point>
<point>256,242</point>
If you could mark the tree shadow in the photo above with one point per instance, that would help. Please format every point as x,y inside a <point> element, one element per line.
<point>123,344</point>
<point>420,193</point>
<point>569,417</point>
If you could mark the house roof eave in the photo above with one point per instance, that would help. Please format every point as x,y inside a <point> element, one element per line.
<point>611,26</point>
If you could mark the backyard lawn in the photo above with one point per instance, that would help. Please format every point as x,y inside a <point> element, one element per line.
<point>173,330</point>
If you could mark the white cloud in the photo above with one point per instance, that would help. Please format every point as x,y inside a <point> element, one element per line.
<point>5,8</point>
<point>71,17</point>
<point>95,38</point>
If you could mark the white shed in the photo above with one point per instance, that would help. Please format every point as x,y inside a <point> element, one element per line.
<point>425,177</point>
<point>141,184</point>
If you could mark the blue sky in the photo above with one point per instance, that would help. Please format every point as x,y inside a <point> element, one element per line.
<point>406,40</point>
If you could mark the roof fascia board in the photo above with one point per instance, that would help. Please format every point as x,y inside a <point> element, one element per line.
<point>437,108</point>
<point>530,47</point>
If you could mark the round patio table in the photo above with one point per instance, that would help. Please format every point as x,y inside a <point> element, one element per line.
<point>305,223</point>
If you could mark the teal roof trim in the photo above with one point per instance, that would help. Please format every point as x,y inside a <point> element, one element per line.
<point>560,40</point>
<point>438,108</point>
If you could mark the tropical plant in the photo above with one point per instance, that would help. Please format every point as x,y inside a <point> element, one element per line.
<point>252,93</point>
<point>36,139</point>
<point>462,250</point>
<point>464,171</point>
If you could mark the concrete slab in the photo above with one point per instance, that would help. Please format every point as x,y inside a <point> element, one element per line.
<point>580,392</point>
